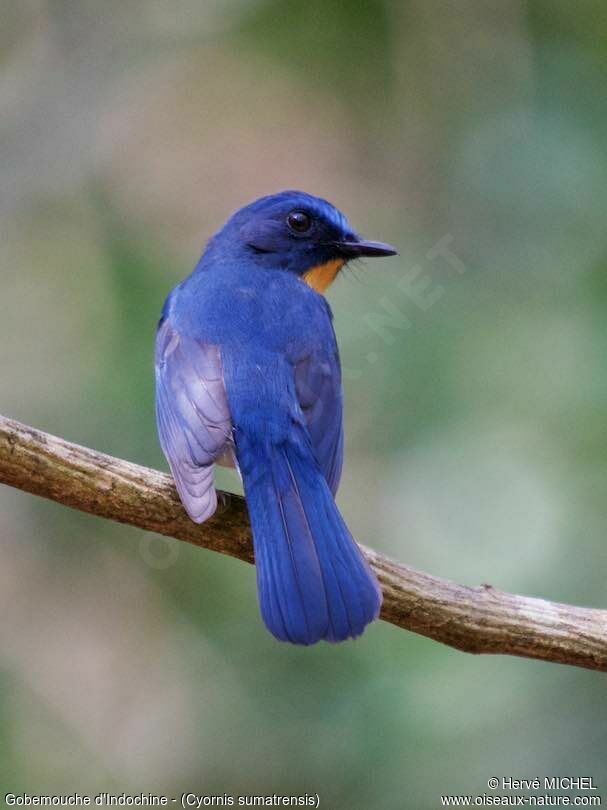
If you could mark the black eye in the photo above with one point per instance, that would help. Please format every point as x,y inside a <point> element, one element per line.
<point>299,221</point>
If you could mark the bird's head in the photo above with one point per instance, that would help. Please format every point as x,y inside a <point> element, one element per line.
<point>298,233</point>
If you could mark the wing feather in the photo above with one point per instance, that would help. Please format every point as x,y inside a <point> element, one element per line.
<point>319,392</point>
<point>193,417</point>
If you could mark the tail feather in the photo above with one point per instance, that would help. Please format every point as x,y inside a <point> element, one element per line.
<point>354,594</point>
<point>313,581</point>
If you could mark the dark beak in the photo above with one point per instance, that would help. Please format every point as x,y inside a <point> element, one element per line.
<point>363,247</point>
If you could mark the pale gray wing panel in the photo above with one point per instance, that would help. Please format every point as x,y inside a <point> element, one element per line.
<point>193,417</point>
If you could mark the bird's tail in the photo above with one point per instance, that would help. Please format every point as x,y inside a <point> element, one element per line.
<point>313,581</point>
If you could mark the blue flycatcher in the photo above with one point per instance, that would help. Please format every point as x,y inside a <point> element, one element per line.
<point>248,372</point>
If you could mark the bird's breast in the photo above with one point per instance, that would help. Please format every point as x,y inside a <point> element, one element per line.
<point>321,276</point>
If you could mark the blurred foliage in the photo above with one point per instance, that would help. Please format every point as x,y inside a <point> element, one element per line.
<point>476,438</point>
<point>339,48</point>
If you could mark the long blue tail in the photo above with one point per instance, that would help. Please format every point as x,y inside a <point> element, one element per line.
<point>312,579</point>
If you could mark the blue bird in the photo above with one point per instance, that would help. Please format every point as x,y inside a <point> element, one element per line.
<point>248,374</point>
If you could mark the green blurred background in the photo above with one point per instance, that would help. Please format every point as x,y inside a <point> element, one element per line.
<point>475,418</point>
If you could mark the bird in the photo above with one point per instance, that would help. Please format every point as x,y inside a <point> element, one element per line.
<point>248,375</point>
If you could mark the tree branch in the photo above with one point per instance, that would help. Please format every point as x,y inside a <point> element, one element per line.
<point>477,620</point>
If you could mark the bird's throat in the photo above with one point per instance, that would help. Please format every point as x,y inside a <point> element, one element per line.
<point>322,275</point>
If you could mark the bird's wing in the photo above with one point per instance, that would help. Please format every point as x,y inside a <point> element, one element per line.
<point>193,417</point>
<point>318,387</point>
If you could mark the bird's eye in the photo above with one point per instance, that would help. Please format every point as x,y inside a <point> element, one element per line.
<point>299,221</point>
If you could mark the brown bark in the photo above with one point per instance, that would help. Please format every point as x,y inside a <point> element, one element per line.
<point>477,620</point>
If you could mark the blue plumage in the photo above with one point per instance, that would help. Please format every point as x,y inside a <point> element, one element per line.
<point>312,578</point>
<point>247,369</point>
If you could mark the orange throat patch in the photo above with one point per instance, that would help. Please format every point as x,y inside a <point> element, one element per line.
<point>321,276</point>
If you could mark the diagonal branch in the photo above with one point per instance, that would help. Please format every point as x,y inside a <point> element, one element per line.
<point>477,620</point>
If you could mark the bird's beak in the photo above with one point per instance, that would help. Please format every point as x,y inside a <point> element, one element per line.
<point>363,247</point>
